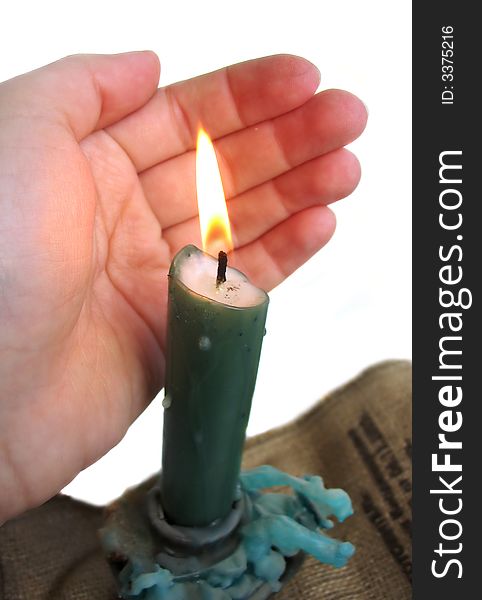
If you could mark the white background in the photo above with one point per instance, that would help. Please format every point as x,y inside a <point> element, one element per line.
<point>350,305</point>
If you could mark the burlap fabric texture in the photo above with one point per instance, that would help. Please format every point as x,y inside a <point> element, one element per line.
<point>358,438</point>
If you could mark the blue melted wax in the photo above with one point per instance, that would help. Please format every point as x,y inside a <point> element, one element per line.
<point>277,526</point>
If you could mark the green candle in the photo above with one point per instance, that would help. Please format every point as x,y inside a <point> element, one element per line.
<point>215,332</point>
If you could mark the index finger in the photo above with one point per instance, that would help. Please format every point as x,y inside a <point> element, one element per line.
<point>223,101</point>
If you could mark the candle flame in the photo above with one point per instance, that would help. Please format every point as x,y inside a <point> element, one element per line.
<point>213,213</point>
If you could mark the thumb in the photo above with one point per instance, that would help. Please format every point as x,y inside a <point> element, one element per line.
<point>85,92</point>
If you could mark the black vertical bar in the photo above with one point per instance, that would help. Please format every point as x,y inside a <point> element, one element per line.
<point>447,114</point>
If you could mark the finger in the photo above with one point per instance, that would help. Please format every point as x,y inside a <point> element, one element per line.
<point>223,101</point>
<point>321,181</point>
<point>255,155</point>
<point>85,92</point>
<point>269,260</point>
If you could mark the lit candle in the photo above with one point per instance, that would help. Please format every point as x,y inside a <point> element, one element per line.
<point>216,321</point>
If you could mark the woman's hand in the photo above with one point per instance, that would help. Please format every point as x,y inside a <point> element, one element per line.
<point>97,193</point>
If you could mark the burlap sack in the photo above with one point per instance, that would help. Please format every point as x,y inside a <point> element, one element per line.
<point>359,438</point>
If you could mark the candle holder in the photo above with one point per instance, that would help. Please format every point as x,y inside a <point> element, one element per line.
<point>250,554</point>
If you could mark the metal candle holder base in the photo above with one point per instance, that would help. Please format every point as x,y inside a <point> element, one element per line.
<point>187,551</point>
<point>248,555</point>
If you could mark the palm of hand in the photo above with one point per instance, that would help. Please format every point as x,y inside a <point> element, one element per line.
<point>99,215</point>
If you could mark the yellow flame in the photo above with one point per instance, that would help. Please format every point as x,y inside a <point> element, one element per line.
<point>213,213</point>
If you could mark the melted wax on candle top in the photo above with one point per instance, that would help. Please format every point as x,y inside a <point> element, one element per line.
<point>198,273</point>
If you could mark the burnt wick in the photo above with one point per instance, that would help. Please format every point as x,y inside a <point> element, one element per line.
<point>222,264</point>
